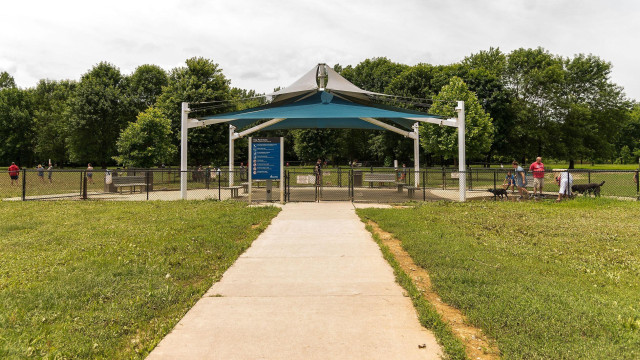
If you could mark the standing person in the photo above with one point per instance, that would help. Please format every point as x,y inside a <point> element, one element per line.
<point>50,173</point>
<point>14,172</point>
<point>41,172</point>
<point>317,170</point>
<point>521,180</point>
<point>564,180</point>
<point>90,173</point>
<point>538,175</point>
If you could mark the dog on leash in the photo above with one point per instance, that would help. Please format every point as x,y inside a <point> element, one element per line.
<point>587,189</point>
<point>499,192</point>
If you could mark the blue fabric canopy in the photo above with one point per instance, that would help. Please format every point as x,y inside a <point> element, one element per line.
<point>321,110</point>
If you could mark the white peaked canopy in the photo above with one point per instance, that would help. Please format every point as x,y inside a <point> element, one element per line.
<point>323,99</point>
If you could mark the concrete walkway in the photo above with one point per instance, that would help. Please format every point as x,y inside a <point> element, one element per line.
<point>314,285</point>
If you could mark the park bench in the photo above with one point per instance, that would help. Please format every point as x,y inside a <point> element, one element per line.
<point>378,177</point>
<point>245,187</point>
<point>234,190</point>
<point>128,181</point>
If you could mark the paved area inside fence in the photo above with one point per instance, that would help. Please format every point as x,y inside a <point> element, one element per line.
<point>314,285</point>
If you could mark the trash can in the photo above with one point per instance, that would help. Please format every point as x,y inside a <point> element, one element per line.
<point>108,181</point>
<point>357,178</point>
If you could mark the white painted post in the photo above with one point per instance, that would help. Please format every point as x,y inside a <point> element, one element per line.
<point>231,150</point>
<point>462,183</point>
<point>416,155</point>
<point>184,116</point>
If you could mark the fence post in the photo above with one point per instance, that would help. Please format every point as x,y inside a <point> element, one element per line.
<point>589,175</point>
<point>84,185</point>
<point>470,178</point>
<point>146,178</point>
<point>444,180</point>
<point>424,185</point>
<point>219,188</point>
<point>24,184</point>
<point>495,179</point>
<point>339,176</point>
<point>81,182</point>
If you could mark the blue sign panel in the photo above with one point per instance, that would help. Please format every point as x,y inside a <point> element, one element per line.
<point>265,159</point>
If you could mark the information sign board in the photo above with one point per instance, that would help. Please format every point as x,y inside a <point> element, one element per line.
<point>265,158</point>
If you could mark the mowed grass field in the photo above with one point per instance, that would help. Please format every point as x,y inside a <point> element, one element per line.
<point>109,280</point>
<point>546,280</point>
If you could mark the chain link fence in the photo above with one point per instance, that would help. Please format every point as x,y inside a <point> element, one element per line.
<point>358,184</point>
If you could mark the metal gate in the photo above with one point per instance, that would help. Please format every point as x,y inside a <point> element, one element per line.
<point>305,185</point>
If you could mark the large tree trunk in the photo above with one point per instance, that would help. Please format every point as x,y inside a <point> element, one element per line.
<point>571,164</point>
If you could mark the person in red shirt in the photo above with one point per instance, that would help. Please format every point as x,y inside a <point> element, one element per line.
<point>14,171</point>
<point>538,175</point>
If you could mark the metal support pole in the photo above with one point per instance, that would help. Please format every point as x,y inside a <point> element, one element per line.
<point>84,186</point>
<point>416,155</point>
<point>424,185</point>
<point>183,150</point>
<point>461,152</point>
<point>231,155</point>
<point>24,184</point>
<point>147,181</point>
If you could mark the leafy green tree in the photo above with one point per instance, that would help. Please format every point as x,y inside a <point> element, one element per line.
<point>443,141</point>
<point>313,144</point>
<point>629,132</point>
<point>6,81</point>
<point>147,141</point>
<point>414,82</point>
<point>535,77</point>
<point>373,74</point>
<point>16,126</point>
<point>145,85</point>
<point>200,81</point>
<point>99,111</point>
<point>485,73</point>
<point>589,110</point>
<point>51,104</point>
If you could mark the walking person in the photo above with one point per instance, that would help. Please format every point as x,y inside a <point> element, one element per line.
<point>90,173</point>
<point>538,175</point>
<point>14,172</point>
<point>50,173</point>
<point>521,180</point>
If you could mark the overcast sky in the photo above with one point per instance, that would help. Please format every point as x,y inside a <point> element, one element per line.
<point>264,44</point>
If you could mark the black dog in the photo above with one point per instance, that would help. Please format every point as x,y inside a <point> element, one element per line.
<point>498,192</point>
<point>587,189</point>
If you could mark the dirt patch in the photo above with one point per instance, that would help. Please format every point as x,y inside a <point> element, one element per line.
<point>477,345</point>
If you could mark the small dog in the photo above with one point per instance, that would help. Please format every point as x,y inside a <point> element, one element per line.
<point>587,189</point>
<point>498,192</point>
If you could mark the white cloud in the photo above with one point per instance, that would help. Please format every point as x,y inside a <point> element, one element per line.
<point>261,45</point>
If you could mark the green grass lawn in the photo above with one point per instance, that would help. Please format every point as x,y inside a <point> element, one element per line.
<point>109,280</point>
<point>546,280</point>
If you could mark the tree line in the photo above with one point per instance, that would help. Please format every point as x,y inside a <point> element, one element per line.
<point>519,105</point>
